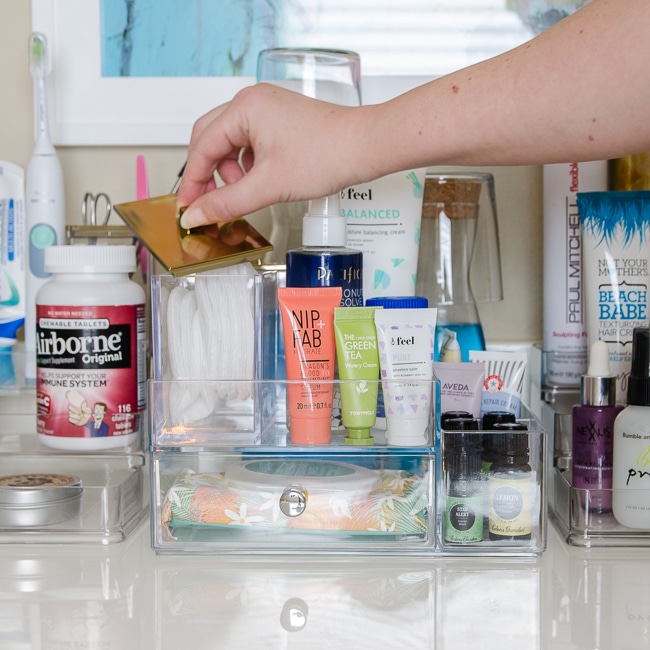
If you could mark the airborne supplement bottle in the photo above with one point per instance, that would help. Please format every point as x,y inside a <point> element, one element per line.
<point>90,349</point>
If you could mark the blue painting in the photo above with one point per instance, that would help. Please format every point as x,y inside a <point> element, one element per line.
<point>187,38</point>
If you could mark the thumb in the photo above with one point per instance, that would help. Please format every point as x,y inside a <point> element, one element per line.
<point>229,202</point>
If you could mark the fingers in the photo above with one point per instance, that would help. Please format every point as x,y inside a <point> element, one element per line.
<point>268,145</point>
<point>230,170</point>
<point>228,202</point>
<point>202,161</point>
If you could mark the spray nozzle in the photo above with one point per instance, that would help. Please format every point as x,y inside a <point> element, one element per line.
<point>324,225</point>
<point>326,206</point>
<point>638,386</point>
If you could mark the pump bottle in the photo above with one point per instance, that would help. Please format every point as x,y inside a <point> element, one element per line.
<point>593,431</point>
<point>324,260</point>
<point>631,474</point>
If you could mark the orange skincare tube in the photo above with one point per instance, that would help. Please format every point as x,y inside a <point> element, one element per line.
<point>309,345</point>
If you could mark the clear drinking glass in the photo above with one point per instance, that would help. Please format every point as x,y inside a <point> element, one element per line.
<point>329,75</point>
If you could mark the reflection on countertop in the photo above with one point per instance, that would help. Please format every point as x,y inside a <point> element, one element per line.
<point>125,597</point>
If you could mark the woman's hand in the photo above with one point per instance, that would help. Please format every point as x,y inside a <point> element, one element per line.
<point>253,141</point>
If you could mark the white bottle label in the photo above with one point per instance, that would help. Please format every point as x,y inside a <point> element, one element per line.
<point>631,473</point>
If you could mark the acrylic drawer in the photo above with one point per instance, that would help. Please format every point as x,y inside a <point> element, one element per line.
<point>265,501</point>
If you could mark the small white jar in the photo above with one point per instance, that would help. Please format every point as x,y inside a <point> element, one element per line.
<point>90,349</point>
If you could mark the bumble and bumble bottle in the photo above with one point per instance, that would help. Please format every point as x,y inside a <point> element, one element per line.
<point>324,260</point>
<point>631,473</point>
<point>593,431</point>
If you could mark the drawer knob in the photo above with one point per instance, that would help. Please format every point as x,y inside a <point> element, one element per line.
<point>293,501</point>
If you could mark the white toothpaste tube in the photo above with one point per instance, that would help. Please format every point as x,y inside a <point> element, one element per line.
<point>12,250</point>
<point>504,379</point>
<point>406,338</point>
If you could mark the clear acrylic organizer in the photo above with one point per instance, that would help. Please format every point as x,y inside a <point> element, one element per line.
<point>105,505</point>
<point>220,325</point>
<point>221,490</point>
<point>574,510</point>
<point>226,478</point>
<point>49,496</point>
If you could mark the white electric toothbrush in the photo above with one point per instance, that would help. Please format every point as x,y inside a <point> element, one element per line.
<point>44,197</point>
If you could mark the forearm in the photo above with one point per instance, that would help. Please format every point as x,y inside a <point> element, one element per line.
<point>580,91</point>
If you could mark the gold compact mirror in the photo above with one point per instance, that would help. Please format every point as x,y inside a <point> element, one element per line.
<point>155,223</point>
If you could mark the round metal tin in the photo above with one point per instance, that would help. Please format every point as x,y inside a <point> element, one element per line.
<point>38,499</point>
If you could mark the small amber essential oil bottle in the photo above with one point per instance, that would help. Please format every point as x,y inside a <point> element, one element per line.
<point>510,485</point>
<point>464,500</point>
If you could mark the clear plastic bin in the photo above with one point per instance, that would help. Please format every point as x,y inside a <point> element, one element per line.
<point>220,325</point>
<point>216,492</point>
<point>575,511</point>
<point>579,522</point>
<point>60,497</point>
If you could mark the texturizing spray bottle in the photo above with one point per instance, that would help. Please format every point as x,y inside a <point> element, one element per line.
<point>631,475</point>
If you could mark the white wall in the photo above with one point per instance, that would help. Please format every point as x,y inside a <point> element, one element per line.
<point>112,170</point>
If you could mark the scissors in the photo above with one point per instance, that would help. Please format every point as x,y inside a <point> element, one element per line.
<point>89,211</point>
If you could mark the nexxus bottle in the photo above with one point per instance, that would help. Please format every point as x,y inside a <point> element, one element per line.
<point>324,260</point>
<point>593,431</point>
<point>90,349</point>
<point>631,474</point>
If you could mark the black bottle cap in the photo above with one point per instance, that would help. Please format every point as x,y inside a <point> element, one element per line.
<point>509,426</point>
<point>493,417</point>
<point>459,433</point>
<point>510,444</point>
<point>638,387</point>
<point>461,424</point>
<point>452,415</point>
<point>464,461</point>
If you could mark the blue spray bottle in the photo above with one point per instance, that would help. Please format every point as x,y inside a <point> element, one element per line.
<point>324,260</point>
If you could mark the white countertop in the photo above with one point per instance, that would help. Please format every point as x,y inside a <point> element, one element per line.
<point>123,596</point>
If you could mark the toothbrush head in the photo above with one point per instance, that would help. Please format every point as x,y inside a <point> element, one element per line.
<point>39,56</point>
